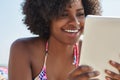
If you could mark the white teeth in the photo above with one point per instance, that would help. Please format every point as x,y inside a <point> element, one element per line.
<point>71,31</point>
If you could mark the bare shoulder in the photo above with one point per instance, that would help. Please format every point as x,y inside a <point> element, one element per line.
<point>26,45</point>
<point>19,49</point>
<point>21,56</point>
<point>18,46</point>
<point>26,48</point>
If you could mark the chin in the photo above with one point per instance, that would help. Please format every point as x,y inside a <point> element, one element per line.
<point>73,41</point>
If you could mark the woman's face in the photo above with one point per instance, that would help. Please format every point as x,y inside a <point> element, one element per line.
<point>68,27</point>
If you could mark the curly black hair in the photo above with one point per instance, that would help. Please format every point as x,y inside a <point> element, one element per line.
<point>39,13</point>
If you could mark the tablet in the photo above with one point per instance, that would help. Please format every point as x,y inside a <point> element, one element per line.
<point>101,43</point>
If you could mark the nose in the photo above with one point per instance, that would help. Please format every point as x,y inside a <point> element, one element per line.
<point>77,21</point>
<point>74,21</point>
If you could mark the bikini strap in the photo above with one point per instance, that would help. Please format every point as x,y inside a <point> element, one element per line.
<point>75,53</point>
<point>46,54</point>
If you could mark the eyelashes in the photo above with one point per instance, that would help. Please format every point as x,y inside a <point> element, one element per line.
<point>67,15</point>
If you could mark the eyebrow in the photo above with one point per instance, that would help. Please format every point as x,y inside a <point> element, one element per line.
<point>81,9</point>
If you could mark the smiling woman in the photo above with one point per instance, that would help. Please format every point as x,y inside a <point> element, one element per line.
<point>27,55</point>
<point>12,28</point>
<point>56,51</point>
<point>68,27</point>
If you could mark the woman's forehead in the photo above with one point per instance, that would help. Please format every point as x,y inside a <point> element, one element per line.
<point>74,2</point>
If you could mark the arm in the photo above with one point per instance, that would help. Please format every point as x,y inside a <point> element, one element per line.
<point>19,62</point>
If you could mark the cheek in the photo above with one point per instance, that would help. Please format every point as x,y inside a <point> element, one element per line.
<point>55,28</point>
<point>59,23</point>
<point>82,23</point>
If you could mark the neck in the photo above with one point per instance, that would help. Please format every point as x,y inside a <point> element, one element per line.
<point>58,48</point>
<point>62,52</point>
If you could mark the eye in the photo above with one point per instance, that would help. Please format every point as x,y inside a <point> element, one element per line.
<point>79,14</point>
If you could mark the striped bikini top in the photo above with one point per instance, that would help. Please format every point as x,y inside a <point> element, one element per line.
<point>42,74</point>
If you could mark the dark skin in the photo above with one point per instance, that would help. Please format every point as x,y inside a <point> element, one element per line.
<point>112,75</point>
<point>32,61</point>
<point>27,55</point>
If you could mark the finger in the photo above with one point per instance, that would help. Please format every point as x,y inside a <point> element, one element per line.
<point>115,64</point>
<point>108,78</point>
<point>81,69</point>
<point>88,75</point>
<point>112,74</point>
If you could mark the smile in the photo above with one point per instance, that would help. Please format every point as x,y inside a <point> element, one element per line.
<point>71,31</point>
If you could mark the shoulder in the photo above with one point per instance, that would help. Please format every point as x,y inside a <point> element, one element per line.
<point>26,49</point>
<point>25,46</point>
<point>23,53</point>
<point>27,43</point>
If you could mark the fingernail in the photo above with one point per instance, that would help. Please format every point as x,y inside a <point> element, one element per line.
<point>97,73</point>
<point>91,74</point>
<point>86,68</point>
<point>108,71</point>
<point>107,78</point>
<point>112,62</point>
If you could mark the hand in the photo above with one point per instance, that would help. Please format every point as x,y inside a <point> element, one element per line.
<point>112,75</point>
<point>83,72</point>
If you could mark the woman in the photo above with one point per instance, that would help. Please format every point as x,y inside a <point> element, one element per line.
<point>54,54</point>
